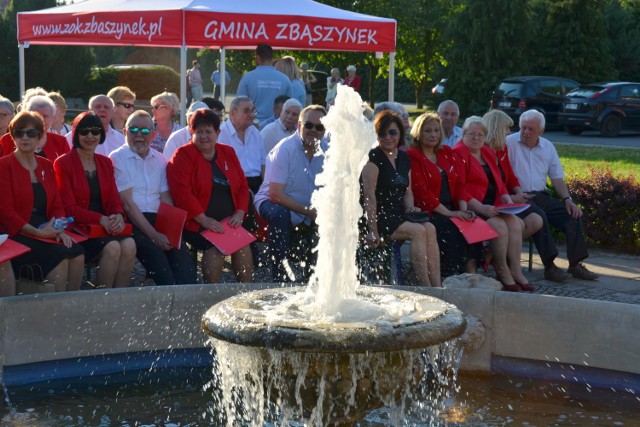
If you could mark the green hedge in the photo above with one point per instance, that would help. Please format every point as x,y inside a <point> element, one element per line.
<point>144,81</point>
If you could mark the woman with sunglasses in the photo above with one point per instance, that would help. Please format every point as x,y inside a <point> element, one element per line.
<point>29,205</point>
<point>438,188</point>
<point>486,190</point>
<point>124,104</point>
<point>89,194</point>
<point>206,179</point>
<point>51,145</point>
<point>165,108</point>
<point>387,197</point>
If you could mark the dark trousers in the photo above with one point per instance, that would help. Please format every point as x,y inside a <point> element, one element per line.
<point>280,233</point>
<point>543,238</point>
<point>455,252</point>
<point>557,216</point>
<point>173,267</point>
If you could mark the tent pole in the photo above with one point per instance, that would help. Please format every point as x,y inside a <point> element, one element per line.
<point>21,67</point>
<point>183,85</point>
<point>392,75</point>
<point>223,74</point>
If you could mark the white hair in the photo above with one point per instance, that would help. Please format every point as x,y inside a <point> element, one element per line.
<point>532,115</point>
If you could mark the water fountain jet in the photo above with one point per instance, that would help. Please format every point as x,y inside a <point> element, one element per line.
<point>332,351</point>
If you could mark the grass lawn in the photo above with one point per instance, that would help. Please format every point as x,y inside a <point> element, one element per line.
<point>577,160</point>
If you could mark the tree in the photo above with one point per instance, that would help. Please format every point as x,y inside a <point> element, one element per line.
<point>623,19</point>
<point>489,40</point>
<point>63,68</point>
<point>573,41</point>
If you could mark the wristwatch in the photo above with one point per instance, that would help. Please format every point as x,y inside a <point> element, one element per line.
<point>567,198</point>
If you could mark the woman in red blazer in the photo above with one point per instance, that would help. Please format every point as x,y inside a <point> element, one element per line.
<point>498,127</point>
<point>436,182</point>
<point>486,190</point>
<point>89,194</point>
<point>206,179</point>
<point>31,198</point>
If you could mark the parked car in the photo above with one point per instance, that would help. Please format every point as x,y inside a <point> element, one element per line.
<point>609,107</point>
<point>515,95</point>
<point>439,88</point>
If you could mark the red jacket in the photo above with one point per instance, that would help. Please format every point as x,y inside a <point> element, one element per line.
<point>17,193</point>
<point>190,180</point>
<point>354,82</point>
<point>55,147</point>
<point>474,177</point>
<point>74,188</point>
<point>426,180</point>
<point>510,178</point>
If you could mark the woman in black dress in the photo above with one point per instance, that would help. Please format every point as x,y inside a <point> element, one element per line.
<point>386,185</point>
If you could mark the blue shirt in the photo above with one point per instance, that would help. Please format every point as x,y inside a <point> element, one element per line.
<point>215,78</point>
<point>288,164</point>
<point>263,85</point>
<point>299,91</point>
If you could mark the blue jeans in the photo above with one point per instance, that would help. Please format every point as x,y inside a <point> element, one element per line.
<point>279,218</point>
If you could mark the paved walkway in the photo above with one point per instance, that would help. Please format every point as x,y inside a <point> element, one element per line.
<point>619,277</point>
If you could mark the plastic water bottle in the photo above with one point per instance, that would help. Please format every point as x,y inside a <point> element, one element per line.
<point>58,223</point>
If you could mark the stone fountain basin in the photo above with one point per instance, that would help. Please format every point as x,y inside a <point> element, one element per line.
<point>419,321</point>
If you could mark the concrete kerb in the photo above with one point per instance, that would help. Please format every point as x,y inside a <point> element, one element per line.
<point>39,328</point>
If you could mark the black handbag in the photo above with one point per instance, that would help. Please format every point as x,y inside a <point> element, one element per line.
<point>419,216</point>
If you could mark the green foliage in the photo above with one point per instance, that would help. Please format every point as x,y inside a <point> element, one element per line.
<point>63,68</point>
<point>611,208</point>
<point>144,82</point>
<point>573,41</point>
<point>624,31</point>
<point>488,42</point>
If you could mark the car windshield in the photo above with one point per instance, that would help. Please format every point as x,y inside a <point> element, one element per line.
<point>585,91</point>
<point>510,89</point>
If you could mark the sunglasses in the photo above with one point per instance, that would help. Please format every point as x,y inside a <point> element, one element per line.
<point>93,131</point>
<point>134,130</point>
<point>319,127</point>
<point>126,105</point>
<point>390,132</point>
<point>31,133</point>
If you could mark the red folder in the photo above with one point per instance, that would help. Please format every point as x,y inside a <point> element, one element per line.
<point>96,230</point>
<point>11,249</point>
<point>170,222</point>
<point>475,231</point>
<point>77,238</point>
<point>231,240</point>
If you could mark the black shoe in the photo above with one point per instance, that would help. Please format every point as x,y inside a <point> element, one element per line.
<point>579,271</point>
<point>554,274</point>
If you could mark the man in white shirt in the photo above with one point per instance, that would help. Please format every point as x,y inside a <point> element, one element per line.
<point>140,173</point>
<point>284,126</point>
<point>450,114</point>
<point>533,159</point>
<point>240,133</point>
<point>103,106</point>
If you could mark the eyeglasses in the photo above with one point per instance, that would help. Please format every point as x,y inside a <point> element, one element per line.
<point>390,132</point>
<point>134,130</point>
<point>157,107</point>
<point>319,127</point>
<point>93,131</point>
<point>475,135</point>
<point>30,133</point>
<point>126,105</point>
<point>249,112</point>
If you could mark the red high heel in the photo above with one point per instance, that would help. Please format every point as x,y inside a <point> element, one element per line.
<point>511,288</point>
<point>526,287</point>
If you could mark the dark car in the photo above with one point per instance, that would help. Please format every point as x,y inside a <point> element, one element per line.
<point>515,95</point>
<point>609,107</point>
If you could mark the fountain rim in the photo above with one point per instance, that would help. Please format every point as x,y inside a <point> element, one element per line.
<point>218,323</point>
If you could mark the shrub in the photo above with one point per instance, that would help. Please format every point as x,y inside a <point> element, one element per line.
<point>611,207</point>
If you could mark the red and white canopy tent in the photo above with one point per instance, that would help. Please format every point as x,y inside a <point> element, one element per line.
<point>283,24</point>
